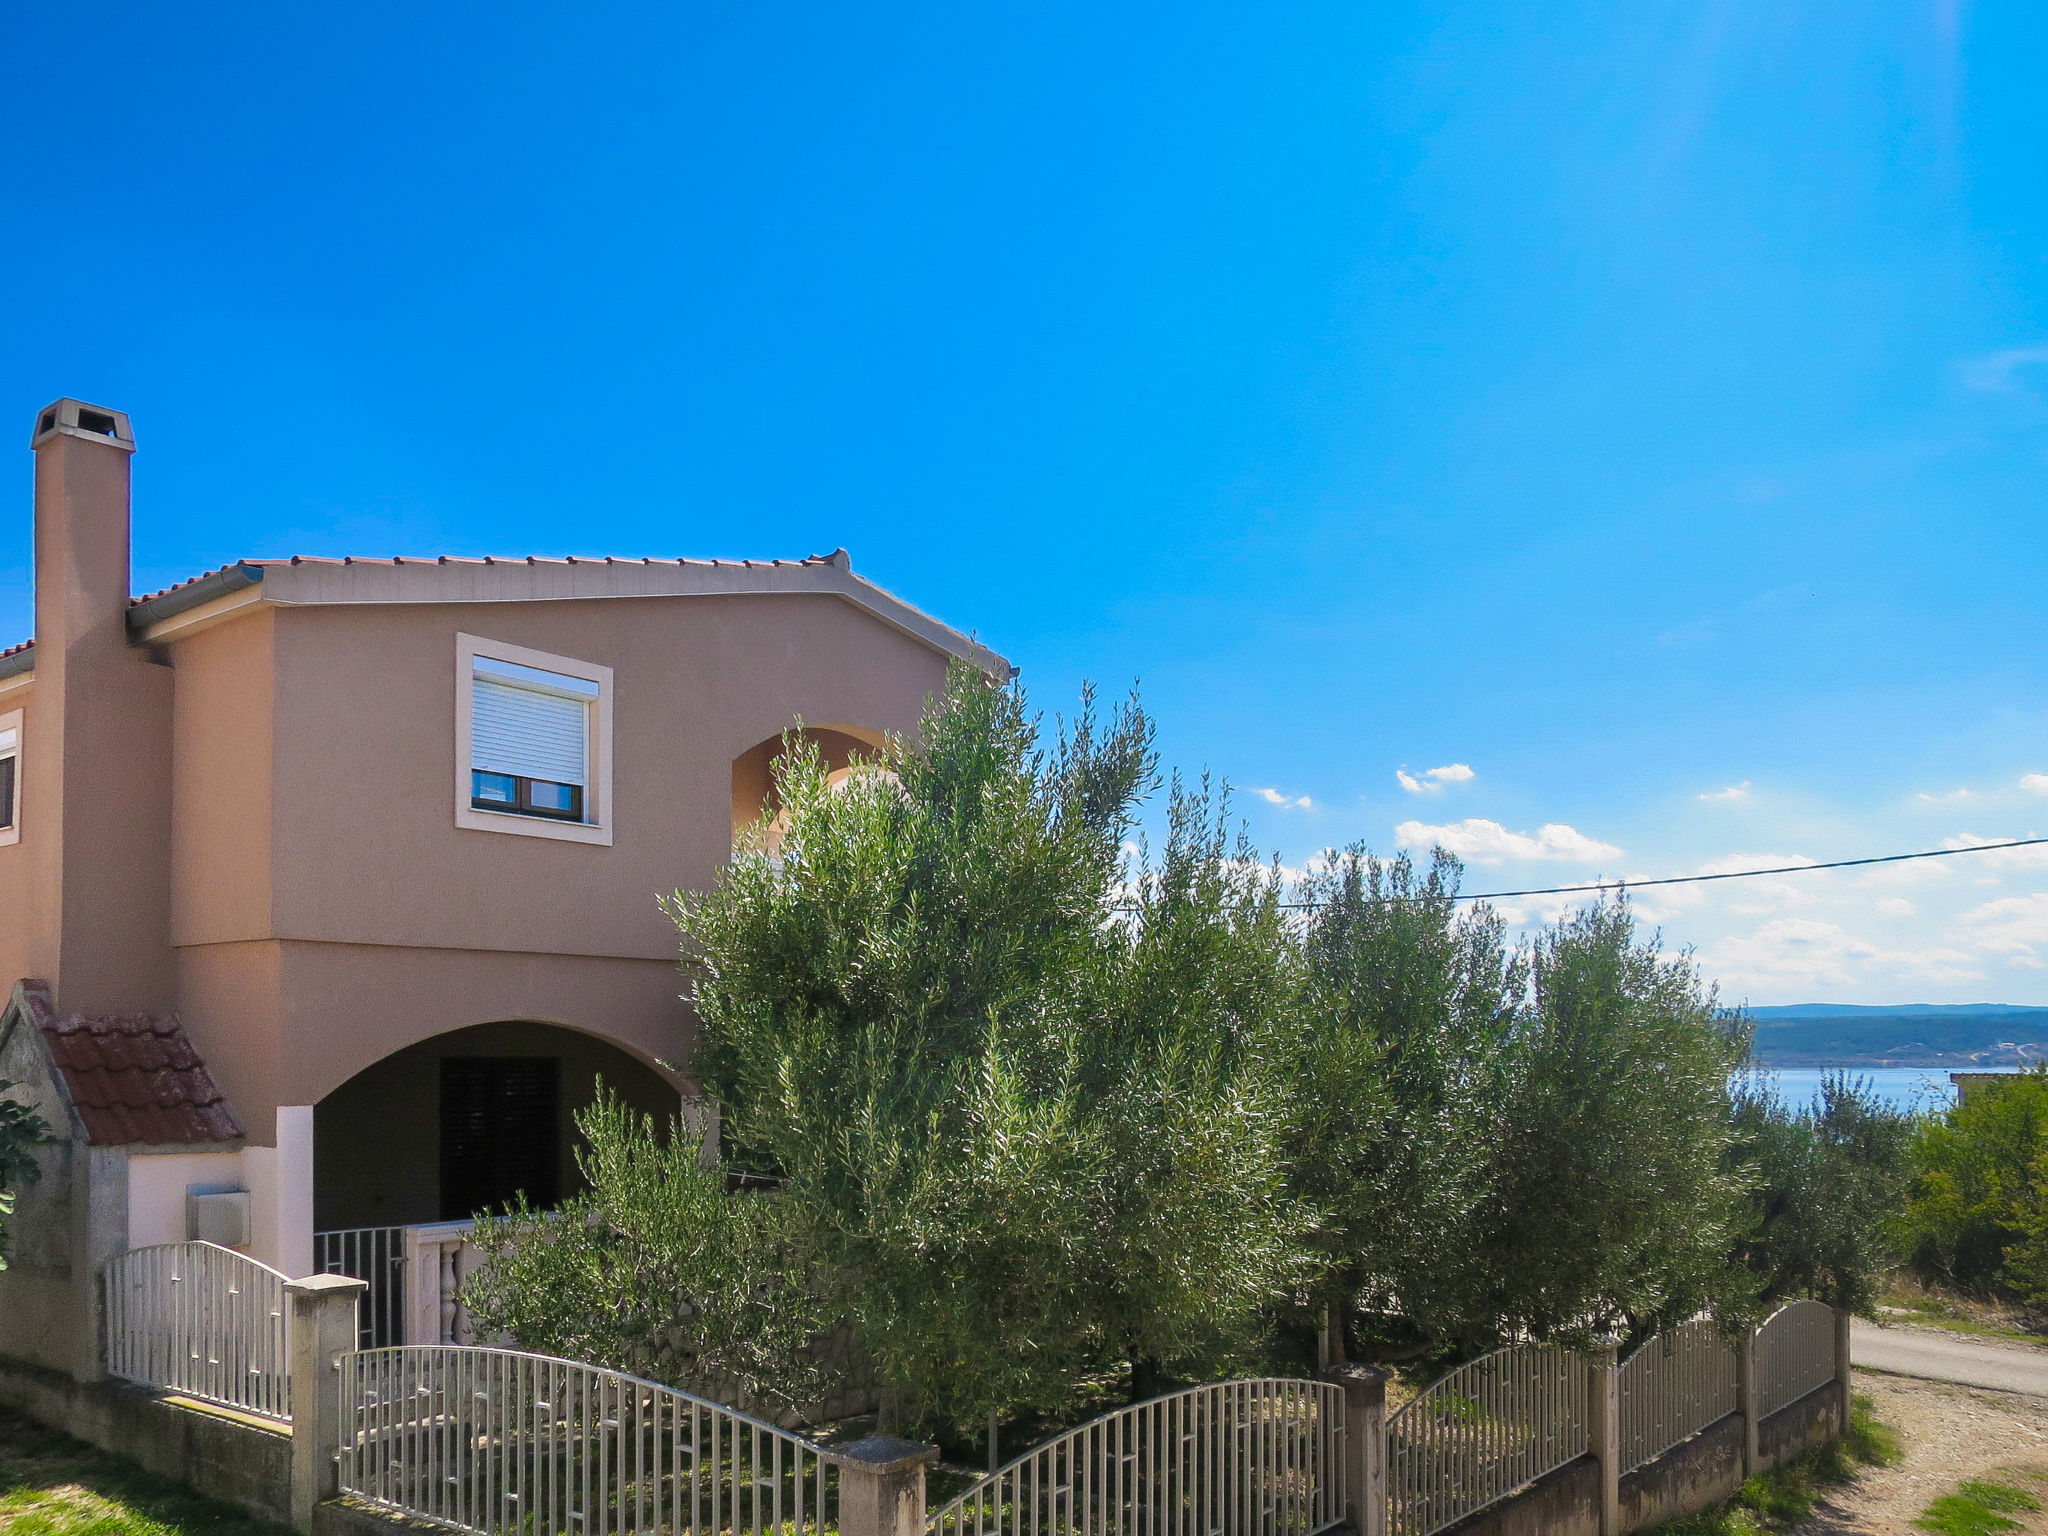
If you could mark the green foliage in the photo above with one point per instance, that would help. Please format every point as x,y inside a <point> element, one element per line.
<point>1979,1507</point>
<point>1020,1105</point>
<point>1827,1183</point>
<point>21,1132</point>
<point>655,1270</point>
<point>1612,1206</point>
<point>1407,1004</point>
<point>1020,1098</point>
<point>1505,1143</point>
<point>1977,1218</point>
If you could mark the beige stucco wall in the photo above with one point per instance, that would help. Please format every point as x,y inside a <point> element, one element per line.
<point>328,910</point>
<point>367,848</point>
<point>17,866</point>
<point>221,764</point>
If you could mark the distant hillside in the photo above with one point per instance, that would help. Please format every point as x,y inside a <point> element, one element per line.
<point>1954,1035</point>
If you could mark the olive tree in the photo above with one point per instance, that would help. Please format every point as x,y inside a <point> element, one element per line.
<point>1612,1201</point>
<point>1408,1000</point>
<point>1013,1091</point>
<point>1828,1184</point>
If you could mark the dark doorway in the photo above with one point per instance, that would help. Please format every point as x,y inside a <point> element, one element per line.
<point>377,1138</point>
<point>499,1133</point>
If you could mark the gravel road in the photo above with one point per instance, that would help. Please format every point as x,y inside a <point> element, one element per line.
<point>1937,1356</point>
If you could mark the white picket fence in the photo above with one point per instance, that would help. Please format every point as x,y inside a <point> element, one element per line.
<point>490,1440</point>
<point>1258,1455</point>
<point>1481,1433</point>
<point>203,1321</point>
<point>1795,1354</point>
<point>1675,1385</point>
<point>484,1440</point>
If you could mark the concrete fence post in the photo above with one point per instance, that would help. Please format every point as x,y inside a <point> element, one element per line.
<point>1843,1386</point>
<point>1745,1401</point>
<point>1603,1415</point>
<point>881,1486</point>
<point>1364,1466</point>
<point>323,1329</point>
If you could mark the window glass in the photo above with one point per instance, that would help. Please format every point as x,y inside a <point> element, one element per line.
<point>560,798</point>
<point>529,739</point>
<point>498,788</point>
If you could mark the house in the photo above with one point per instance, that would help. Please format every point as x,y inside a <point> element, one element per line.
<point>329,886</point>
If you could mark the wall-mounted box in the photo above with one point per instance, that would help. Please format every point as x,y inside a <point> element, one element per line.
<point>218,1216</point>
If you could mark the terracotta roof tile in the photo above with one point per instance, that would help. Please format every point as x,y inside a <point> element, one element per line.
<point>471,560</point>
<point>132,1078</point>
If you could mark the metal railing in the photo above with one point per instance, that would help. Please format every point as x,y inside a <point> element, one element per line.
<point>202,1320</point>
<point>1675,1385</point>
<point>1795,1353</point>
<point>490,1440</point>
<point>375,1255</point>
<point>1481,1433</point>
<point>1257,1457</point>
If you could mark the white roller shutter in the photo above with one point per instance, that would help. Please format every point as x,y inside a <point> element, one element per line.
<point>535,735</point>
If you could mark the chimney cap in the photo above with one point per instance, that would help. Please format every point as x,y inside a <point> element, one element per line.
<point>74,418</point>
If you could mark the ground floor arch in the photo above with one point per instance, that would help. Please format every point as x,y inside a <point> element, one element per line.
<point>460,1122</point>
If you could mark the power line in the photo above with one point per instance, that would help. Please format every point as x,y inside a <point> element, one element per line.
<point>1733,874</point>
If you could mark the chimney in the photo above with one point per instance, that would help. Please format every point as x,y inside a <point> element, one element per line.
<point>81,530</point>
<point>95,805</point>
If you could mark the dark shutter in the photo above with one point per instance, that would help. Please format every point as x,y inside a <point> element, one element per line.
<point>499,1135</point>
<point>7,791</point>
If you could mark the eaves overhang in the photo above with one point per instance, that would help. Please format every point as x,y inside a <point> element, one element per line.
<point>151,611</point>
<point>323,582</point>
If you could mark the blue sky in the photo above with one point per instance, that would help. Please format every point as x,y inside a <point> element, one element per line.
<point>1639,405</point>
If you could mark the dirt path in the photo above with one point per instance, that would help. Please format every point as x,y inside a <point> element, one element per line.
<point>1949,1433</point>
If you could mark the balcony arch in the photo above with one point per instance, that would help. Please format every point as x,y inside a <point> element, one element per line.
<point>753,771</point>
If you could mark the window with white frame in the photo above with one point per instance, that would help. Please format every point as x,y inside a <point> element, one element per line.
<point>10,777</point>
<point>535,738</point>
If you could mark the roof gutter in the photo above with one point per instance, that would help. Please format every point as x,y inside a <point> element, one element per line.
<point>229,578</point>
<point>23,660</point>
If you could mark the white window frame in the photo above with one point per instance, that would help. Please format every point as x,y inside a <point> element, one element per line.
<point>596,826</point>
<point>11,833</point>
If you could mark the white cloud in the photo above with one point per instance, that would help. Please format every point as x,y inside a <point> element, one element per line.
<point>2035,857</point>
<point>1994,374</point>
<point>1734,794</point>
<point>2013,926</point>
<point>2034,783</point>
<point>1948,799</point>
<point>1789,954</point>
<point>1488,842</point>
<point>1286,802</point>
<point>1434,779</point>
<point>1895,906</point>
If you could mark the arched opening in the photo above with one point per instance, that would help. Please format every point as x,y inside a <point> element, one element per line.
<point>753,771</point>
<point>461,1122</point>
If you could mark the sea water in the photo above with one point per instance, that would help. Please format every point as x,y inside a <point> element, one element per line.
<point>1912,1088</point>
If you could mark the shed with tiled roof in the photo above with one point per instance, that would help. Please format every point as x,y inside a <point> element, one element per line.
<point>127,1080</point>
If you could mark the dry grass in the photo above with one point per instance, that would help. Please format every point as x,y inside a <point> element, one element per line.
<point>1906,1300</point>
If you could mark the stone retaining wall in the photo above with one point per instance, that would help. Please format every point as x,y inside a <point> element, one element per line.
<point>1691,1476</point>
<point>222,1454</point>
